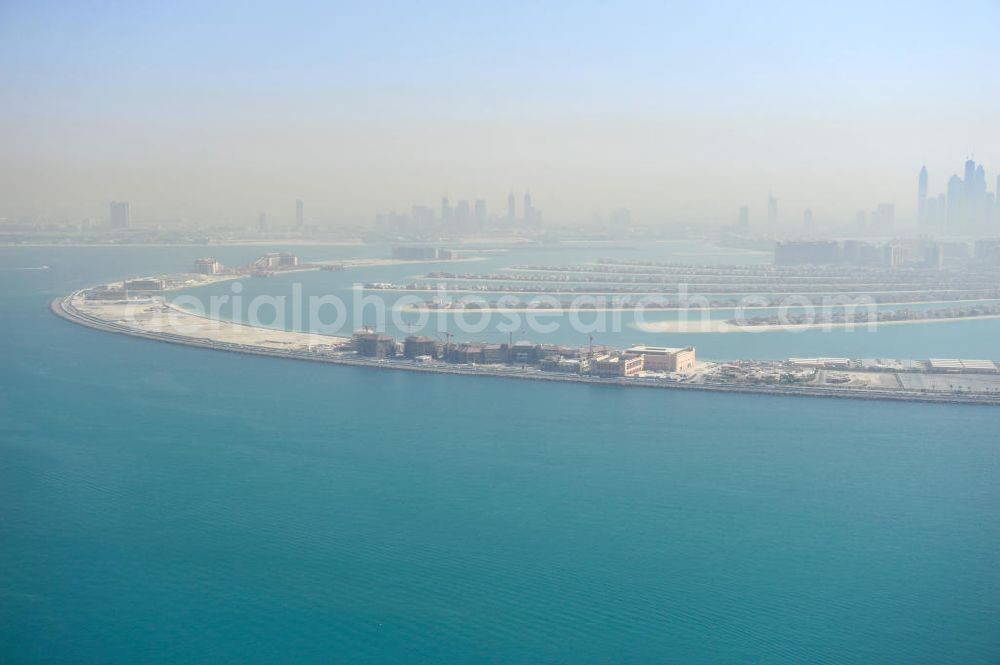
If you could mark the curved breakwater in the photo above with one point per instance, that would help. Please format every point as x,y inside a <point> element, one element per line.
<point>66,308</point>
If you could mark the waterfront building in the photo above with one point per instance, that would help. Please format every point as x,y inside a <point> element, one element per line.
<point>954,365</point>
<point>144,284</point>
<point>524,352</point>
<point>663,358</point>
<point>276,260</point>
<point>616,365</point>
<point>466,353</point>
<point>419,345</point>
<point>207,267</point>
<point>494,354</point>
<point>373,345</point>
<point>566,365</point>
<point>106,292</point>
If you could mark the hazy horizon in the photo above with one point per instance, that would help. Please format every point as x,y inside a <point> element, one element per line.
<point>214,114</point>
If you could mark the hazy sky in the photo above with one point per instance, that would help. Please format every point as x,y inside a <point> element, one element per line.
<point>680,111</point>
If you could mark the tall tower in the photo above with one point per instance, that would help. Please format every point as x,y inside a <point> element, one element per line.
<point>480,214</point>
<point>511,207</point>
<point>445,212</point>
<point>970,171</point>
<point>744,218</point>
<point>300,214</point>
<point>772,211</point>
<point>529,212</point>
<point>922,197</point>
<point>121,215</point>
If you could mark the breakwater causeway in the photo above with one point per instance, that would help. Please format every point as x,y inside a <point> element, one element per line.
<point>239,338</point>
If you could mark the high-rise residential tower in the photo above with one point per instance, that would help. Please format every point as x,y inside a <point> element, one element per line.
<point>744,218</point>
<point>121,215</point>
<point>772,211</point>
<point>300,214</point>
<point>446,216</point>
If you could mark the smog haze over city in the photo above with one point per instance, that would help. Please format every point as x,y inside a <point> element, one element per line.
<point>211,113</point>
<point>483,332</point>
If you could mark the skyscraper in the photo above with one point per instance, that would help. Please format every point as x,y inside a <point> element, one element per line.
<point>300,214</point>
<point>480,214</point>
<point>970,172</point>
<point>511,207</point>
<point>744,218</point>
<point>772,211</point>
<point>445,213</point>
<point>121,215</point>
<point>981,203</point>
<point>262,222</point>
<point>922,197</point>
<point>529,212</point>
<point>808,223</point>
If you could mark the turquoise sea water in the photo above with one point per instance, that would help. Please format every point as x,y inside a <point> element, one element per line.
<point>169,504</point>
<point>966,339</point>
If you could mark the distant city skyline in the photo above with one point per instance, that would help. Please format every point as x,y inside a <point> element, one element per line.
<point>966,206</point>
<point>684,113</point>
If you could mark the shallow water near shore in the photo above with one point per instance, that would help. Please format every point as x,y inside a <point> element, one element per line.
<point>169,504</point>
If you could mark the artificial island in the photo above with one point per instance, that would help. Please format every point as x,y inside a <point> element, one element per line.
<point>139,307</point>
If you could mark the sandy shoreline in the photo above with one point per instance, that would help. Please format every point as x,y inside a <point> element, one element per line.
<point>64,308</point>
<point>653,308</point>
<point>719,326</point>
